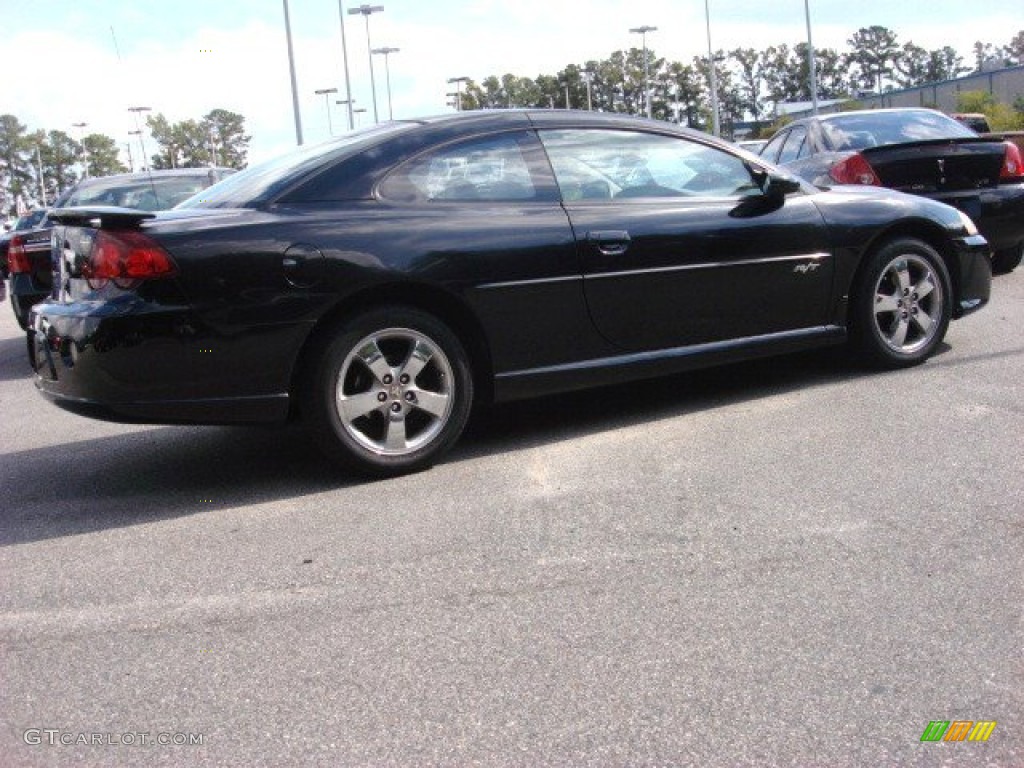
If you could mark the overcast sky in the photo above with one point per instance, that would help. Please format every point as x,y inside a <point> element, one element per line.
<point>186,57</point>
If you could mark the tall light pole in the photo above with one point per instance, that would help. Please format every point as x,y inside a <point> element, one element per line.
<point>326,93</point>
<point>291,70</point>
<point>349,105</point>
<point>588,78</point>
<point>458,90</point>
<point>715,127</point>
<point>811,66</point>
<point>142,163</point>
<point>386,53</point>
<point>85,149</point>
<point>360,111</point>
<point>138,111</point>
<point>344,57</point>
<point>42,178</point>
<point>642,31</point>
<point>366,10</point>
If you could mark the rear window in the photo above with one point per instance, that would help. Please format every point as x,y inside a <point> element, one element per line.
<point>266,180</point>
<point>156,193</point>
<point>876,129</point>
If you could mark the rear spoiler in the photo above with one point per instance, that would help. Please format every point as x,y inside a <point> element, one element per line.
<point>101,217</point>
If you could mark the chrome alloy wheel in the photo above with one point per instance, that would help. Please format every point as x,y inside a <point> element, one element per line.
<point>908,304</point>
<point>395,391</point>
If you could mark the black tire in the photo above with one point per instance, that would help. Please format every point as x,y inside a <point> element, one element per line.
<point>377,408</point>
<point>902,304</point>
<point>1006,260</point>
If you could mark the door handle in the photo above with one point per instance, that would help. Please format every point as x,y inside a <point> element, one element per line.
<point>610,242</point>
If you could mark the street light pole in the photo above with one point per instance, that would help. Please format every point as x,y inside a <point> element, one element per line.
<point>291,69</point>
<point>359,111</point>
<point>588,78</point>
<point>137,111</point>
<point>42,178</point>
<point>458,90</point>
<point>344,58</point>
<point>715,127</point>
<point>642,31</point>
<point>811,65</point>
<point>326,93</point>
<point>366,10</point>
<point>386,52</point>
<point>349,105</point>
<point>85,149</point>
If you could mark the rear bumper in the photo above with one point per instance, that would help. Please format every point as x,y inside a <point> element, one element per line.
<point>24,294</point>
<point>975,274</point>
<point>998,212</point>
<point>131,361</point>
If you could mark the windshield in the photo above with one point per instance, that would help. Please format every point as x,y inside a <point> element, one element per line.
<point>875,129</point>
<point>263,181</point>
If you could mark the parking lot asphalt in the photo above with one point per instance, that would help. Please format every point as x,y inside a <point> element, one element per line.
<point>788,562</point>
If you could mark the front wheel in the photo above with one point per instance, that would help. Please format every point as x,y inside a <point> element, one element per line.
<point>389,393</point>
<point>902,304</point>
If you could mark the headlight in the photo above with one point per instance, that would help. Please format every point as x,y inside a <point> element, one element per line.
<point>969,225</point>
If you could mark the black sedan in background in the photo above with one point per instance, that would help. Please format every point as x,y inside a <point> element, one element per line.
<point>919,151</point>
<point>378,285</point>
<point>28,253</point>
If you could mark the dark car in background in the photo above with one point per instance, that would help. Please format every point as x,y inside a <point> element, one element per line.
<point>31,220</point>
<point>28,253</point>
<point>378,285</point>
<point>919,151</point>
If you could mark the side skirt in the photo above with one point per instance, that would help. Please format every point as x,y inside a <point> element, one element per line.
<point>534,382</point>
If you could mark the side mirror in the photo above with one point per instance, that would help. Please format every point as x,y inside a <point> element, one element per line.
<point>777,186</point>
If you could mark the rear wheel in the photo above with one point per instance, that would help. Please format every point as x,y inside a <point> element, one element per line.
<point>902,304</point>
<point>1007,259</point>
<point>390,392</point>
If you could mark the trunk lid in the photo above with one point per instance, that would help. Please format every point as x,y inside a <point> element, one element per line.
<point>938,165</point>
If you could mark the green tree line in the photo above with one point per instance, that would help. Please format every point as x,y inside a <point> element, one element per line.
<point>27,156</point>
<point>751,82</point>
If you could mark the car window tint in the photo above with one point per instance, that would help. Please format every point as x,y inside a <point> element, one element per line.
<point>874,129</point>
<point>595,164</point>
<point>794,144</point>
<point>490,168</point>
<point>771,149</point>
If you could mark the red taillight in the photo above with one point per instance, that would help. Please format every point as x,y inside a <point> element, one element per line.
<point>1012,169</point>
<point>854,170</point>
<point>17,256</point>
<point>127,256</point>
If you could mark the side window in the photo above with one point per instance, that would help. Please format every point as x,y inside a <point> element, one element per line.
<point>596,164</point>
<point>794,145</point>
<point>490,168</point>
<point>771,149</point>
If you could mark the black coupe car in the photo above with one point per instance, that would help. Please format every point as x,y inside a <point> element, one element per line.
<point>376,286</point>
<point>920,151</point>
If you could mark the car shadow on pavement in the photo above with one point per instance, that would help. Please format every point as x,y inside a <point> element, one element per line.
<point>529,423</point>
<point>154,474</point>
<point>14,359</point>
<point>170,472</point>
